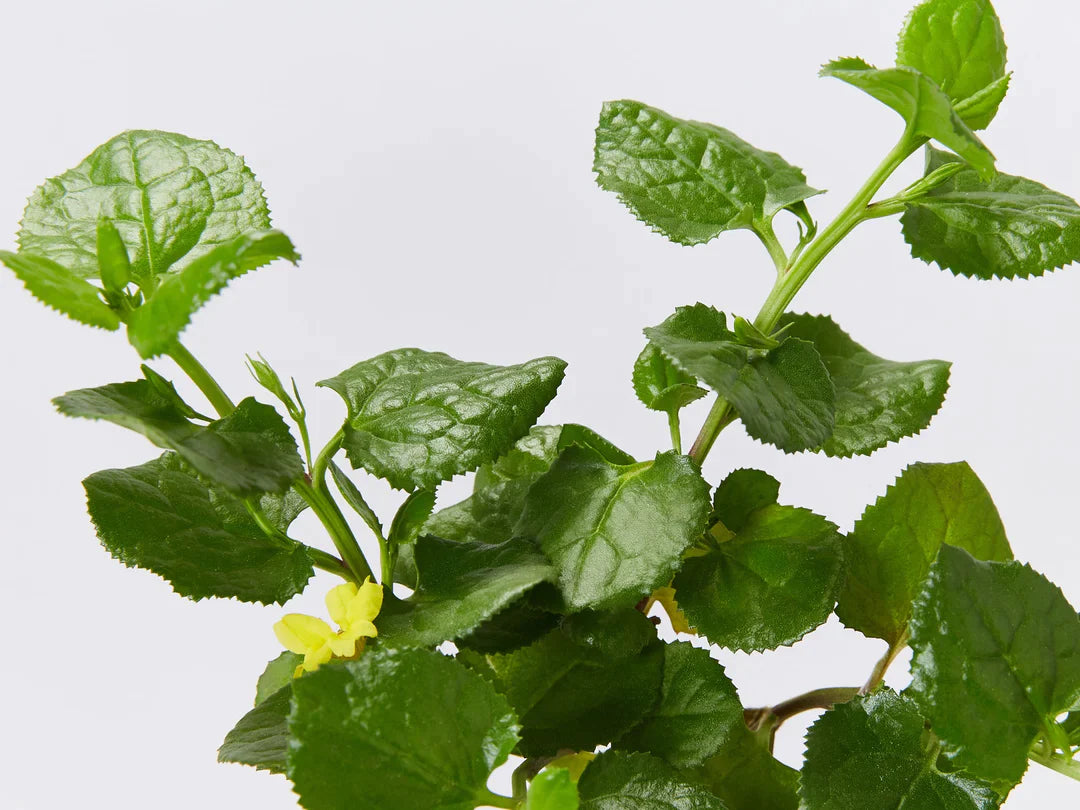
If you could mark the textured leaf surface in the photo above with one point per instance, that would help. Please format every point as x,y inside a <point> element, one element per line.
<point>958,44</point>
<point>417,418</point>
<point>688,180</point>
<point>569,695</point>
<point>461,585</point>
<point>698,712</point>
<point>877,400</point>
<point>926,108</point>
<point>745,775</point>
<point>154,327</point>
<point>783,396</point>
<point>741,494</point>
<point>261,737</point>
<point>874,753</point>
<point>396,730</point>
<point>161,517</point>
<point>615,532</point>
<point>618,781</point>
<point>171,197</point>
<point>889,552</point>
<point>769,585</point>
<point>278,673</point>
<point>249,452</point>
<point>997,658</point>
<point>1007,227</point>
<point>59,288</point>
<point>660,385</point>
<point>552,789</point>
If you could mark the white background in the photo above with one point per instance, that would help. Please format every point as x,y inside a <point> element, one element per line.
<point>432,161</point>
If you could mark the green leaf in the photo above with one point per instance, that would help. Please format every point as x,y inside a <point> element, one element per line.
<point>769,585</point>
<point>521,623</point>
<point>355,499</point>
<point>249,452</point>
<point>618,781</point>
<point>460,585</point>
<point>925,107</point>
<point>411,516</point>
<point>261,737</point>
<point>278,674</point>
<point>741,494</point>
<point>161,517</point>
<point>113,262</point>
<point>746,775</point>
<point>889,552</point>
<point>784,396</point>
<point>698,712</point>
<point>552,789</point>
<point>877,400</point>
<point>959,45</point>
<point>172,198</point>
<point>1008,227</point>
<point>660,385</point>
<point>688,180</point>
<point>417,418</point>
<point>573,696</point>
<point>59,288</point>
<point>979,110</point>
<point>875,753</point>
<point>997,658</point>
<point>396,730</point>
<point>153,328</point>
<point>615,532</point>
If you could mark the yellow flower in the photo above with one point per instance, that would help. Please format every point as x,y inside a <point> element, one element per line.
<point>351,607</point>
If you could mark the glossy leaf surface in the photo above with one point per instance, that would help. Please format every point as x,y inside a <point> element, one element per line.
<point>660,385</point>
<point>552,789</point>
<point>59,288</point>
<point>261,737</point>
<point>618,781</point>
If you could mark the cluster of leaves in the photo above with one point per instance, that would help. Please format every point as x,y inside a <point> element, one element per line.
<point>543,577</point>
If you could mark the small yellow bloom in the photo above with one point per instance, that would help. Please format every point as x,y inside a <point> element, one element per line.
<point>352,608</point>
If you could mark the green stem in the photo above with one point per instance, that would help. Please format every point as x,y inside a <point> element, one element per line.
<point>790,280</point>
<point>768,238</point>
<point>202,378</point>
<point>1056,762</point>
<point>337,527</point>
<point>676,431</point>
<point>326,455</point>
<point>485,798</point>
<point>877,676</point>
<point>816,699</point>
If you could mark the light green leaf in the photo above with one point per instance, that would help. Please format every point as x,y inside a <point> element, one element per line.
<point>882,735</point>
<point>698,712</point>
<point>552,789</point>
<point>172,198</point>
<point>615,532</point>
<point>997,658</point>
<point>925,107</point>
<point>769,585</point>
<point>261,737</point>
<point>688,180</point>
<point>959,45</point>
<point>153,328</point>
<point>877,400</point>
<point>417,418</point>
<point>572,696</point>
<point>396,730</point>
<point>979,110</point>
<point>660,385</point>
<point>889,552</point>
<point>113,262</point>
<point>783,396</point>
<point>460,585</point>
<point>618,781</point>
<point>161,517</point>
<point>279,673</point>
<point>1008,227</point>
<point>59,288</point>
<point>411,516</point>
<point>248,452</point>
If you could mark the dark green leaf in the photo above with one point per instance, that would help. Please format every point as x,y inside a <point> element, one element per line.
<point>355,499</point>
<point>167,390</point>
<point>687,180</point>
<point>161,517</point>
<point>784,396</point>
<point>59,288</point>
<point>552,789</point>
<point>571,696</point>
<point>660,385</point>
<point>875,753</point>
<point>1008,227</point>
<point>417,418</point>
<point>614,633</point>
<point>278,674</point>
<point>512,628</point>
<point>745,775</point>
<point>741,494</point>
<point>249,452</point>
<point>261,737</point>
<point>959,45</point>
<point>172,198</point>
<point>698,713</point>
<point>997,658</point>
<point>460,585</point>
<point>618,781</point>
<point>877,400</point>
<point>890,550</point>
<point>925,107</point>
<point>615,532</point>
<point>154,327</point>
<point>396,730</point>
